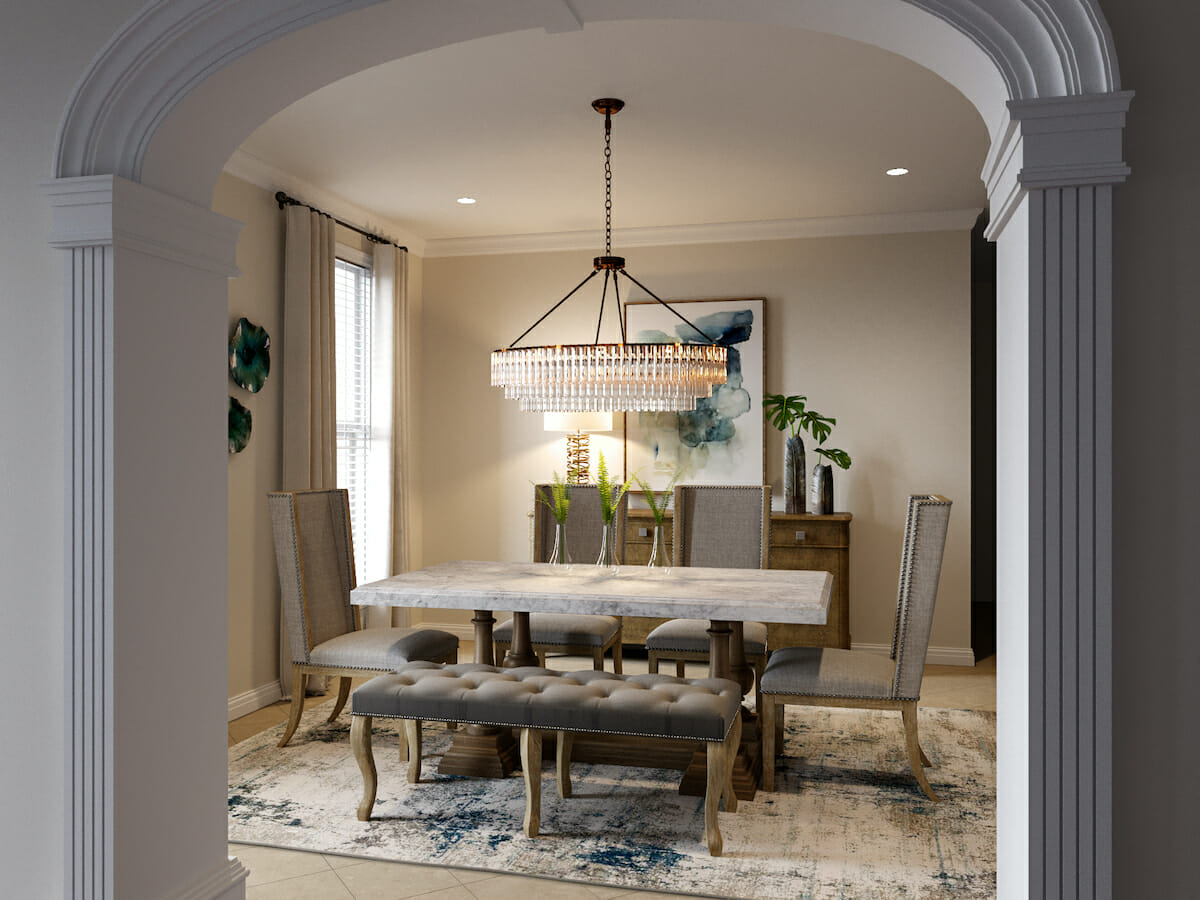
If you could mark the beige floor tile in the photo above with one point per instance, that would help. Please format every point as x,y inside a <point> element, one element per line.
<point>467,876</point>
<point>270,864</point>
<point>393,881</point>
<point>321,886</point>
<point>340,862</point>
<point>517,887</point>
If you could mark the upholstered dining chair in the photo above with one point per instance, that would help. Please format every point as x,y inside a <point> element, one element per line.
<point>722,526</point>
<point>826,676</point>
<point>574,634</point>
<point>314,554</point>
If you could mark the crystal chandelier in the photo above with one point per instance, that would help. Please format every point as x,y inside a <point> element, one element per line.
<point>610,377</point>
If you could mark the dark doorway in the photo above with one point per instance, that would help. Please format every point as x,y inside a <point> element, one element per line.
<point>983,441</point>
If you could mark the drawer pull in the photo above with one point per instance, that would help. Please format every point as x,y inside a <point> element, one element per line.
<point>643,532</point>
<point>799,536</point>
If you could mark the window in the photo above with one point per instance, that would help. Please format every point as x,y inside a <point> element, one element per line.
<point>354,326</point>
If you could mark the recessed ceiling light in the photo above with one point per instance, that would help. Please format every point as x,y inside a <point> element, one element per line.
<point>899,170</point>
<point>466,201</point>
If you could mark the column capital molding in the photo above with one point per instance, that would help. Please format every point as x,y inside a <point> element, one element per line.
<point>1055,142</point>
<point>107,210</point>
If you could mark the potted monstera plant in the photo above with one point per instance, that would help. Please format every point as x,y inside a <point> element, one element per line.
<point>791,415</point>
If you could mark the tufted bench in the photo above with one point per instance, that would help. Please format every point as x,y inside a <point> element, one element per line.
<point>536,700</point>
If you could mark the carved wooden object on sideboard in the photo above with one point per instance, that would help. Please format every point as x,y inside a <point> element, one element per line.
<point>798,541</point>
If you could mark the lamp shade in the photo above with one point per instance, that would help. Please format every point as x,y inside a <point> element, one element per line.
<point>577,421</point>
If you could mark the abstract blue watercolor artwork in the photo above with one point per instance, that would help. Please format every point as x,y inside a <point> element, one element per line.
<point>721,441</point>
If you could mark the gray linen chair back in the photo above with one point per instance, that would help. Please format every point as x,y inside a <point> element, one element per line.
<point>315,554</point>
<point>584,525</point>
<point>925,529</point>
<point>722,525</point>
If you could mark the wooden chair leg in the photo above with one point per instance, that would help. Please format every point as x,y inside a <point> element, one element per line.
<point>541,658</point>
<point>360,743</point>
<point>531,766</point>
<point>908,712</point>
<point>680,668</point>
<point>598,659</point>
<point>758,665</point>
<point>924,759</point>
<point>618,662</point>
<point>297,705</point>
<point>767,711</point>
<point>562,763</point>
<point>412,731</point>
<point>652,662</point>
<point>342,697</point>
<point>403,757</point>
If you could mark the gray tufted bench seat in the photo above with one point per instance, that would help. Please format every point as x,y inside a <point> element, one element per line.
<point>535,701</point>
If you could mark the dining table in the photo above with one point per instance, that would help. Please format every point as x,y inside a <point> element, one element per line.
<point>725,597</point>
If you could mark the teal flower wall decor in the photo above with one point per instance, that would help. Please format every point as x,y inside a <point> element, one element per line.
<point>239,426</point>
<point>249,355</point>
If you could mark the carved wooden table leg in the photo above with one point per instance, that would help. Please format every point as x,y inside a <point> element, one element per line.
<point>727,659</point>
<point>482,750</point>
<point>520,651</point>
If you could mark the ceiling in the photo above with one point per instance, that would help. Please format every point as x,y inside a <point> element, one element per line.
<point>724,123</point>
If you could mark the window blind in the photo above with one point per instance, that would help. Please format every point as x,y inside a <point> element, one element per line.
<point>353,324</point>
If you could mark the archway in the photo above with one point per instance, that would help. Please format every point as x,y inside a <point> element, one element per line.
<point>148,258</point>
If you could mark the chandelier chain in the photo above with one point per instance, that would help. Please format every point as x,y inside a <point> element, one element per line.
<point>608,184</point>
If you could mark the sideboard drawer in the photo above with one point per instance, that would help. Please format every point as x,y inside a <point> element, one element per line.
<point>810,532</point>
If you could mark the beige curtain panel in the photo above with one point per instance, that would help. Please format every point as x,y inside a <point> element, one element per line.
<point>309,417</point>
<point>390,268</point>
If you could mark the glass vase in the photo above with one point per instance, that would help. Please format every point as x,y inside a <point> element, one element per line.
<point>559,555</point>
<point>659,559</point>
<point>608,548</point>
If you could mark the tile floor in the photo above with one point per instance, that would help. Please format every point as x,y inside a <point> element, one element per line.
<point>293,875</point>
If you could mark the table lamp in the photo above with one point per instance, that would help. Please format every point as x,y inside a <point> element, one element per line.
<point>577,426</point>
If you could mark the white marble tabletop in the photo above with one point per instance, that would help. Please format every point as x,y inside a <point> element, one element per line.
<point>687,592</point>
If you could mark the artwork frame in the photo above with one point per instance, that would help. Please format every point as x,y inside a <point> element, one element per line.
<point>657,445</point>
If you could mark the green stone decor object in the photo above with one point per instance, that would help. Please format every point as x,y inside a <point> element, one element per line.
<point>249,355</point>
<point>239,426</point>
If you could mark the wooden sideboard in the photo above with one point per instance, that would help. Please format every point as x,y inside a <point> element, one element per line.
<point>797,541</point>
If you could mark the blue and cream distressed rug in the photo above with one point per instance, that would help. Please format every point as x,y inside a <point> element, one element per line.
<point>847,820</point>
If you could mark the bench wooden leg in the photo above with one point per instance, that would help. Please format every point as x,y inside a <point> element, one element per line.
<point>412,731</point>
<point>531,766</point>
<point>712,796</point>
<point>562,763</point>
<point>618,658</point>
<point>767,712</point>
<point>721,757</point>
<point>360,743</point>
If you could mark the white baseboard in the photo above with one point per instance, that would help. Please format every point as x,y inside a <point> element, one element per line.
<point>937,656</point>
<point>226,882</point>
<point>244,704</point>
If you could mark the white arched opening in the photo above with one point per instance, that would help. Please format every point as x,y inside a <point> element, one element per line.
<point>142,143</point>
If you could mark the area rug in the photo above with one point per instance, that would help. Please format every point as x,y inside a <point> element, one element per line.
<point>847,819</point>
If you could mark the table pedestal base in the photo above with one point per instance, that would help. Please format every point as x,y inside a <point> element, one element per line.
<point>481,751</point>
<point>747,768</point>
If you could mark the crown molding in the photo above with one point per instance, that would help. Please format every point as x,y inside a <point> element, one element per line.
<point>263,174</point>
<point>724,233</point>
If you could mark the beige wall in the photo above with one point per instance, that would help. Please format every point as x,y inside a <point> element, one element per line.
<point>256,294</point>
<point>875,330</point>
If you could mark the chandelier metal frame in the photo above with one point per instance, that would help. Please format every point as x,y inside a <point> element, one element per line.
<point>610,377</point>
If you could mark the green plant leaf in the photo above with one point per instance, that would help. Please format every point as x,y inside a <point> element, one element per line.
<point>559,501</point>
<point>785,412</point>
<point>610,492</point>
<point>657,501</point>
<point>837,457</point>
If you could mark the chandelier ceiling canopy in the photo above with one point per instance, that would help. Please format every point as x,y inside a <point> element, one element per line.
<point>612,377</point>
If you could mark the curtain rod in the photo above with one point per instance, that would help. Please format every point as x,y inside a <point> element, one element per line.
<point>284,201</point>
